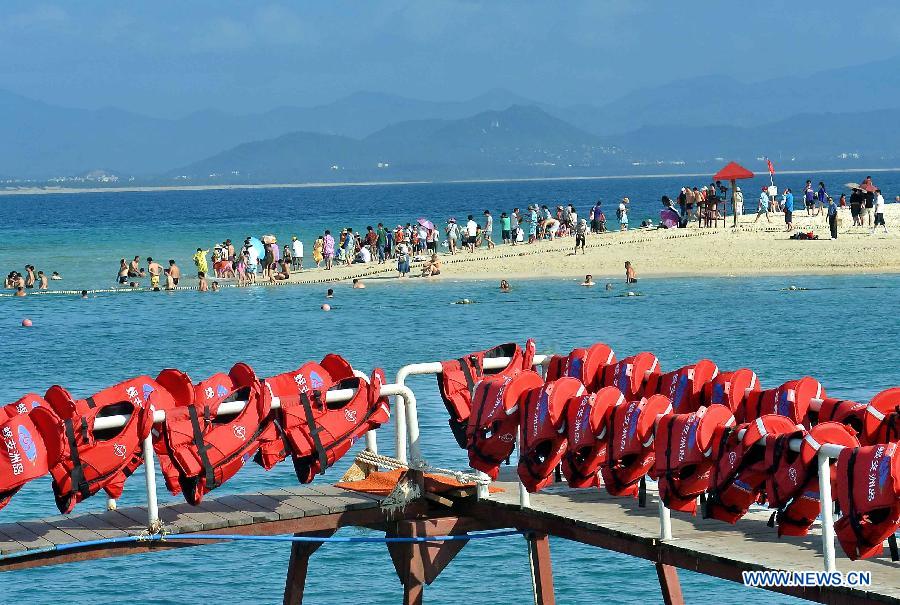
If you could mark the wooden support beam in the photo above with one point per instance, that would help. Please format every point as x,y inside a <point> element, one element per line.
<point>541,568</point>
<point>298,565</point>
<point>669,584</point>
<point>419,564</point>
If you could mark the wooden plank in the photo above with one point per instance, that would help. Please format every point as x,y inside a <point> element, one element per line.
<point>309,506</point>
<point>25,537</point>
<point>257,513</point>
<point>9,544</point>
<point>280,507</point>
<point>337,499</point>
<point>78,532</point>
<point>97,525</point>
<point>48,532</point>
<point>180,517</point>
<point>228,515</point>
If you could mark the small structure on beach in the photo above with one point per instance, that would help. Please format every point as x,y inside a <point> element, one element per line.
<point>733,172</point>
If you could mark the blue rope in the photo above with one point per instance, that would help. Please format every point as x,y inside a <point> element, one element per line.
<point>284,538</point>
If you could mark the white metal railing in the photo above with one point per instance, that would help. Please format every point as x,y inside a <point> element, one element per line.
<point>409,433</point>
<point>232,407</point>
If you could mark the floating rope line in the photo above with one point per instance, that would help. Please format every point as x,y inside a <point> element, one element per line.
<point>162,538</point>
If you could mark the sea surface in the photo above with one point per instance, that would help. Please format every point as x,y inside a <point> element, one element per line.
<point>839,329</point>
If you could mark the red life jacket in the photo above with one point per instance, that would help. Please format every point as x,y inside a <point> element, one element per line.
<point>583,364</point>
<point>31,437</point>
<point>849,413</point>
<point>630,375</point>
<point>630,454</point>
<point>792,486</point>
<point>790,399</point>
<point>684,454</point>
<point>730,388</point>
<point>740,471</point>
<point>587,425</point>
<point>458,378</point>
<point>204,446</point>
<point>882,418</point>
<point>684,386</point>
<point>491,431</point>
<point>91,459</point>
<point>315,432</point>
<point>544,433</point>
<point>868,491</point>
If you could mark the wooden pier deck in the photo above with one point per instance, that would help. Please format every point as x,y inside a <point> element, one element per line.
<point>708,546</point>
<point>309,509</point>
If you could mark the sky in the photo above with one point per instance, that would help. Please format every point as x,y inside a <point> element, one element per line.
<point>169,58</point>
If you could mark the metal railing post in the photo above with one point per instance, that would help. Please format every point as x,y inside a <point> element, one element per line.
<point>150,481</point>
<point>827,510</point>
<point>665,520</point>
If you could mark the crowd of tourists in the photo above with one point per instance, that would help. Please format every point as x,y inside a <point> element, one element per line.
<point>29,280</point>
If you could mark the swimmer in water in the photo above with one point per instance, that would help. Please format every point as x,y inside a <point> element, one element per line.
<point>215,286</point>
<point>84,294</point>
<point>609,286</point>
<point>43,284</point>
<point>504,286</point>
<point>20,291</point>
<point>588,280</point>
<point>358,285</point>
<point>329,293</point>
<point>203,287</point>
<point>55,276</point>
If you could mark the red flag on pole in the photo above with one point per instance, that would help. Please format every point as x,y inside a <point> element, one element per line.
<point>771,167</point>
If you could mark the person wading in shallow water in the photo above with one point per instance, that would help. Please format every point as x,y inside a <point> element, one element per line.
<point>630,276</point>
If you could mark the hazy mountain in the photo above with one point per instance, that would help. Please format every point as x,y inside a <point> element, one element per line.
<point>39,140</point>
<point>806,140</point>
<point>517,140</point>
<point>715,100</point>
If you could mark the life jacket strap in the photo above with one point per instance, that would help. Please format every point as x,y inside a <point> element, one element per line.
<point>314,433</point>
<point>79,483</point>
<point>202,448</point>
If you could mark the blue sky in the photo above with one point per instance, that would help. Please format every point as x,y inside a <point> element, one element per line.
<point>170,58</point>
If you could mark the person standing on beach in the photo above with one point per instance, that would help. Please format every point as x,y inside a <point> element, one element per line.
<point>199,259</point>
<point>832,217</point>
<point>869,205</point>
<point>452,231</point>
<point>328,250</point>
<point>879,212</point>
<point>488,231</point>
<point>787,205</point>
<point>809,198</point>
<point>532,223</point>
<point>856,201</point>
<point>471,233</point>
<point>581,235</point>
<point>737,202</point>
<point>762,206</point>
<point>821,199</point>
<point>403,259</point>
<point>381,242</point>
<point>297,253</point>
<point>504,228</point>
<point>515,218</point>
<point>622,214</point>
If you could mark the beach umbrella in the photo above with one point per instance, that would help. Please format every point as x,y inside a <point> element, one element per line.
<point>733,172</point>
<point>851,185</point>
<point>669,218</point>
<point>257,246</point>
<point>426,223</point>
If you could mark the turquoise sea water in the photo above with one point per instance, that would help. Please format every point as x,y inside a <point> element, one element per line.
<point>841,331</point>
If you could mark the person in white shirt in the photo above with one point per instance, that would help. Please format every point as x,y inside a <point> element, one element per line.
<point>488,229</point>
<point>452,232</point>
<point>364,256</point>
<point>879,212</point>
<point>296,253</point>
<point>763,205</point>
<point>471,233</point>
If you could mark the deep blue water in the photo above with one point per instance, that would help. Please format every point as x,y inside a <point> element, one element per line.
<point>840,330</point>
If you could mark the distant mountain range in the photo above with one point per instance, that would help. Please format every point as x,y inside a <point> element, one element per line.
<point>833,117</point>
<point>520,140</point>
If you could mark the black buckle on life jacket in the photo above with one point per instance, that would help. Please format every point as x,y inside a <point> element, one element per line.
<point>202,449</point>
